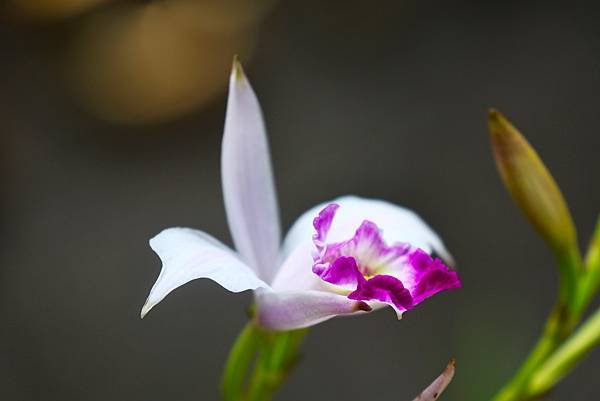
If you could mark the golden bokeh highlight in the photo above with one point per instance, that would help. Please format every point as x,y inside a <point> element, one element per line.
<point>151,62</point>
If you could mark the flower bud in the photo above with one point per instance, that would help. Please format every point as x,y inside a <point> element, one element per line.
<point>531,185</point>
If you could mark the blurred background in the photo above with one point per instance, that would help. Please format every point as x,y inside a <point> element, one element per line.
<point>111,115</point>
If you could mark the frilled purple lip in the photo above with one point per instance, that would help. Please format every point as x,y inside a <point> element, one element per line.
<point>399,275</point>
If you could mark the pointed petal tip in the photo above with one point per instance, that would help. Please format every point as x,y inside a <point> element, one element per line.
<point>448,372</point>
<point>237,71</point>
<point>145,309</point>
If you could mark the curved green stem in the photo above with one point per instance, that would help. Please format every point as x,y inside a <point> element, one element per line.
<point>548,342</point>
<point>590,282</point>
<point>559,325</point>
<point>567,356</point>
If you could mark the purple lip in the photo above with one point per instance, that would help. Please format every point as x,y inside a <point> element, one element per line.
<point>369,270</point>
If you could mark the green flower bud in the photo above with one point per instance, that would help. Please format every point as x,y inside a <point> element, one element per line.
<point>531,185</point>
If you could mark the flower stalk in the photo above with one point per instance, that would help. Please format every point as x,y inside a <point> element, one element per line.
<point>278,355</point>
<point>566,357</point>
<point>240,360</point>
<point>259,362</point>
<point>590,282</point>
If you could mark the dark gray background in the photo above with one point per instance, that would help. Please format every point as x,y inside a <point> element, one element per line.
<point>384,99</point>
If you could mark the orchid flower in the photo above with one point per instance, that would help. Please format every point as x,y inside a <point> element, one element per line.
<point>344,257</point>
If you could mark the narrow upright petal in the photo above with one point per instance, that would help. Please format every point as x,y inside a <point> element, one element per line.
<point>248,185</point>
<point>398,224</point>
<point>290,310</point>
<point>189,254</point>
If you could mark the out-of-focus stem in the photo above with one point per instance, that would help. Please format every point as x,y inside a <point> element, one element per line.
<point>566,357</point>
<point>512,391</point>
<point>590,282</point>
<point>559,325</point>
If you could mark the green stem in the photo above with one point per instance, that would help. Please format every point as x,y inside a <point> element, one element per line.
<point>590,282</point>
<point>567,356</point>
<point>586,337</point>
<point>560,323</point>
<point>548,342</point>
<point>277,357</point>
<point>570,270</point>
<point>259,362</point>
<point>240,358</point>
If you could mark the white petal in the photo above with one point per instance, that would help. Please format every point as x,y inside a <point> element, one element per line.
<point>248,186</point>
<point>296,272</point>
<point>289,310</point>
<point>188,254</point>
<point>398,224</point>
